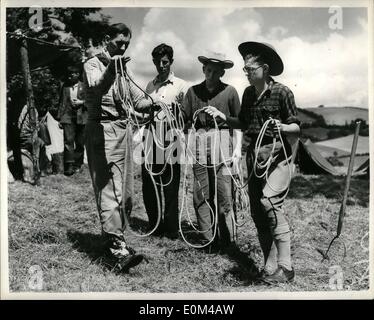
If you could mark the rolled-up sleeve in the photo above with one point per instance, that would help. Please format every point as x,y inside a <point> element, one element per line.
<point>101,82</point>
<point>288,110</point>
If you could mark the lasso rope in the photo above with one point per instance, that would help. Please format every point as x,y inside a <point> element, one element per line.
<point>173,119</point>
<point>238,182</point>
<point>265,165</point>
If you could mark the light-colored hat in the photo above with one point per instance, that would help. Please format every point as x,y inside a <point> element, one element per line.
<point>216,58</point>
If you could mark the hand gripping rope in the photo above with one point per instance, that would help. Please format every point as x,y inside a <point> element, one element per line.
<point>265,165</point>
<point>174,121</point>
<point>238,182</point>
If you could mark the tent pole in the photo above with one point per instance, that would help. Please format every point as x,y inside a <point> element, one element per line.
<point>31,107</point>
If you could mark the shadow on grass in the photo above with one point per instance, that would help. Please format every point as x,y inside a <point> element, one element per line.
<point>306,187</point>
<point>93,245</point>
<point>246,269</point>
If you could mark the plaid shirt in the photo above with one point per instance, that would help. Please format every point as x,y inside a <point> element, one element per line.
<point>276,102</point>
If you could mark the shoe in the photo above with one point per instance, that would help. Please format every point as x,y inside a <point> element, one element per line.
<point>43,173</point>
<point>126,257</point>
<point>129,261</point>
<point>264,273</point>
<point>77,169</point>
<point>281,275</point>
<point>69,170</point>
<point>118,248</point>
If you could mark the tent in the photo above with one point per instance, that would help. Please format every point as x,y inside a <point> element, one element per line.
<point>310,161</point>
<point>364,168</point>
<point>345,144</point>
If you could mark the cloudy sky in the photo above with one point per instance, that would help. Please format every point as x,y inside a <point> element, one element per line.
<point>322,65</point>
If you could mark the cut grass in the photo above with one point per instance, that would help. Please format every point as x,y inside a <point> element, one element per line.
<point>56,227</point>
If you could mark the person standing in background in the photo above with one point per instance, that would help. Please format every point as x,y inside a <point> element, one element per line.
<point>72,117</point>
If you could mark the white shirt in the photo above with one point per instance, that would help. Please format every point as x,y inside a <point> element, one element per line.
<point>167,91</point>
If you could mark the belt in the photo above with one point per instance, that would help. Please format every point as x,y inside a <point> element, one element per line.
<point>197,127</point>
<point>106,119</point>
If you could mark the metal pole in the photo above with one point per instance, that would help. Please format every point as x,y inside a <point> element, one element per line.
<point>30,105</point>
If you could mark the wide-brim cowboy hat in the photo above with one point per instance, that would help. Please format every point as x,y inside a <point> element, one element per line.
<point>216,58</point>
<point>267,53</point>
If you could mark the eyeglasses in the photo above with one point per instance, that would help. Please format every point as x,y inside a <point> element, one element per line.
<point>249,70</point>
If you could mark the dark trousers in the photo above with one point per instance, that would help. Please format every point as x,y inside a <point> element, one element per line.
<point>169,221</point>
<point>73,144</point>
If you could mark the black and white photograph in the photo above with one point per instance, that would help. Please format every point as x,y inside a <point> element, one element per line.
<point>186,149</point>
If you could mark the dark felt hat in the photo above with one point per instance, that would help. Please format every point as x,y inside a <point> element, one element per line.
<point>267,53</point>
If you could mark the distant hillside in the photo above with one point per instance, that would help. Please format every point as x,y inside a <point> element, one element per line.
<point>340,115</point>
<point>306,117</point>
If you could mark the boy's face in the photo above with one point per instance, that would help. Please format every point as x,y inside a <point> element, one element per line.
<point>213,72</point>
<point>73,76</point>
<point>253,70</point>
<point>163,65</point>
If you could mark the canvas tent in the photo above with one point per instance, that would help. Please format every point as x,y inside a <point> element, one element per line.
<point>345,144</point>
<point>310,161</point>
<point>364,168</point>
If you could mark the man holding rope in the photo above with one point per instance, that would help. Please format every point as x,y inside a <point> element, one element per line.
<point>269,116</point>
<point>106,138</point>
<point>166,172</point>
<point>211,179</point>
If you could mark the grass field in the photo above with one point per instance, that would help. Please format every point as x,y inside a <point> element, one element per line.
<point>56,227</point>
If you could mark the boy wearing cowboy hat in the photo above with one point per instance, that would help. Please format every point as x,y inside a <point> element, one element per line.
<point>213,92</point>
<point>267,99</point>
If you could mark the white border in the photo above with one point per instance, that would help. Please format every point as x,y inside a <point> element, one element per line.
<point>5,294</point>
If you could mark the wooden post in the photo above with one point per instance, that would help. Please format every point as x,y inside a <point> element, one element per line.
<point>346,189</point>
<point>348,179</point>
<point>30,105</point>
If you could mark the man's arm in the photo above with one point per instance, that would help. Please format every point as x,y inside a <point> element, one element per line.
<point>100,82</point>
<point>142,102</point>
<point>290,123</point>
